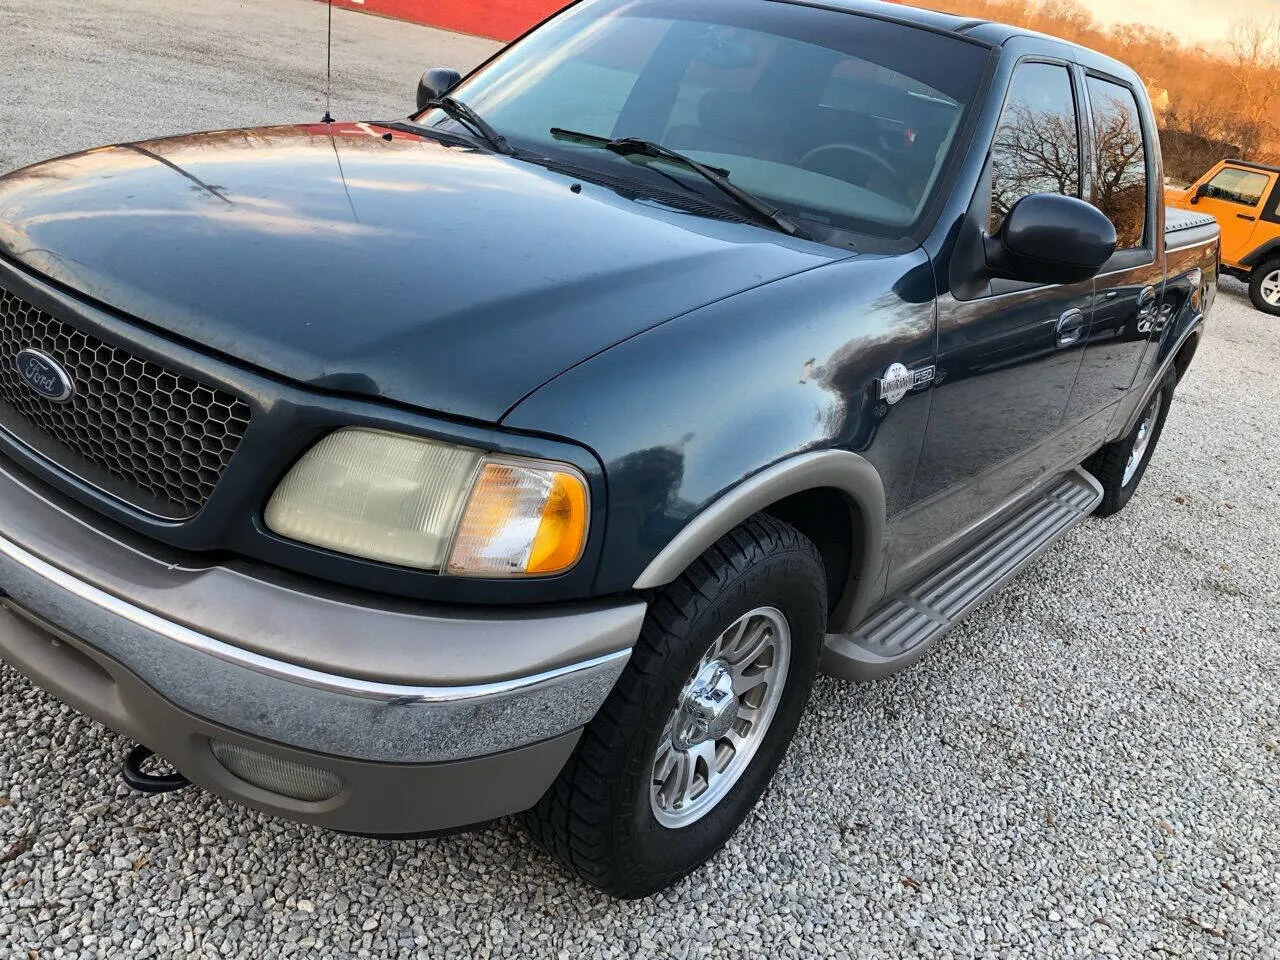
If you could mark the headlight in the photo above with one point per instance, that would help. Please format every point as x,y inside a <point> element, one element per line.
<point>422,503</point>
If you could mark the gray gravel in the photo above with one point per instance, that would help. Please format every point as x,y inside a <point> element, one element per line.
<point>77,74</point>
<point>1087,767</point>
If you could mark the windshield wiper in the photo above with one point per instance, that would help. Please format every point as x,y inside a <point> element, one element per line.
<point>422,130</point>
<point>717,176</point>
<point>469,118</point>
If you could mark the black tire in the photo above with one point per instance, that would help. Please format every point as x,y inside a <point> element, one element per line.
<point>1260,273</point>
<point>598,818</point>
<point>1109,464</point>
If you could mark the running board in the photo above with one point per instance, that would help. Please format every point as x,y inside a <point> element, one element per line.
<point>912,621</point>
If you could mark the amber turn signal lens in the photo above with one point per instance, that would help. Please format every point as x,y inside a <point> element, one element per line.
<point>521,519</point>
<point>563,530</point>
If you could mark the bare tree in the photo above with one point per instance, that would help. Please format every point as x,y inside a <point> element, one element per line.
<point>1223,101</point>
<point>1058,16</point>
<point>1254,63</point>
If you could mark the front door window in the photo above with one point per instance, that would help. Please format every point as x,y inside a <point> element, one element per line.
<point>1234,198</point>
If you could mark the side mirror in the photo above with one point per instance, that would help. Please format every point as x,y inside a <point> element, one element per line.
<point>1201,191</point>
<point>435,83</point>
<point>1049,238</point>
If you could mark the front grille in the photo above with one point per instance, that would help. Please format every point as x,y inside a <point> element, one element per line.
<point>156,439</point>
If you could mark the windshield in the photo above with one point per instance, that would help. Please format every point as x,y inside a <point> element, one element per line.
<point>838,119</point>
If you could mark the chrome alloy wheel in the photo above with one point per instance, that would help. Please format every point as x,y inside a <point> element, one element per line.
<point>721,717</point>
<point>1142,439</point>
<point>1270,288</point>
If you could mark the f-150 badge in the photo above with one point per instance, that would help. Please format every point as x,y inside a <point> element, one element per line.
<point>898,381</point>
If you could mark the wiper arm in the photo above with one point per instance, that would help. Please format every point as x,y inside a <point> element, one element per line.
<point>717,176</point>
<point>468,117</point>
<point>405,126</point>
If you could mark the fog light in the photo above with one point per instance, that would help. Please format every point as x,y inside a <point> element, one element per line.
<point>296,780</point>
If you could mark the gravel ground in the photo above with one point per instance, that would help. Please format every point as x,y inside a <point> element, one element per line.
<point>78,74</point>
<point>1086,767</point>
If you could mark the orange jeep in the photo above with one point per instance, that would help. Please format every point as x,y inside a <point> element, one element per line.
<point>1243,198</point>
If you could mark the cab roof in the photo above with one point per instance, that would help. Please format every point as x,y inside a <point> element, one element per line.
<point>1251,165</point>
<point>989,32</point>
<point>917,16</point>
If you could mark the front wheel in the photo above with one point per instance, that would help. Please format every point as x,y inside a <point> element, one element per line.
<point>700,718</point>
<point>1264,287</point>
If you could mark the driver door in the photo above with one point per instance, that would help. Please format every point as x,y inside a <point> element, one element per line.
<point>1007,359</point>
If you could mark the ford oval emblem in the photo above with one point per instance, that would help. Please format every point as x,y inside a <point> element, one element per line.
<point>43,374</point>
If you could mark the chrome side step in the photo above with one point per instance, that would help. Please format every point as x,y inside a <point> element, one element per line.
<point>912,621</point>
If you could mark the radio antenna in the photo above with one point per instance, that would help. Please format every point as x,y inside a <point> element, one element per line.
<point>328,70</point>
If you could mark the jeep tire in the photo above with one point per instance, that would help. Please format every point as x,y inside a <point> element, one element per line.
<point>1264,287</point>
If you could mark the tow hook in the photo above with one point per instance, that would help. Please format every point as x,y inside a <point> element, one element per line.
<point>133,774</point>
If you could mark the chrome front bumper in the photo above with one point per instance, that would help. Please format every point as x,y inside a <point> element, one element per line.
<point>355,678</point>
<point>302,707</point>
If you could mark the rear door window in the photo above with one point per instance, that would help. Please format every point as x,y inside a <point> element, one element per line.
<point>1120,161</point>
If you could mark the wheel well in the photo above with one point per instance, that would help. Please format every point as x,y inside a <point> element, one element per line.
<point>831,519</point>
<point>1262,257</point>
<point>1183,359</point>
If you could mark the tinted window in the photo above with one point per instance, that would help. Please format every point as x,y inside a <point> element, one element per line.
<point>1237,186</point>
<point>1037,145</point>
<point>838,119</point>
<point>1120,184</point>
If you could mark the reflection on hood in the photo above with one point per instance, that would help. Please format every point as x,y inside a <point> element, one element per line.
<point>440,276</point>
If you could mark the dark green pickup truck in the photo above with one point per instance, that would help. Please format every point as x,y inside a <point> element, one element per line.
<point>534,452</point>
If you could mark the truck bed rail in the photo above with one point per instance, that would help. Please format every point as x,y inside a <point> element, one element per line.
<point>1182,228</point>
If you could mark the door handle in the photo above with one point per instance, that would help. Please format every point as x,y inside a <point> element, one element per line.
<point>1245,216</point>
<point>1070,328</point>
<point>1148,302</point>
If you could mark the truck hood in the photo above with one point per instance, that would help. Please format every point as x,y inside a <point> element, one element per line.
<point>353,259</point>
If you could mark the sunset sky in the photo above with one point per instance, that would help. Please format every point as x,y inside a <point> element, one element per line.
<point>1193,20</point>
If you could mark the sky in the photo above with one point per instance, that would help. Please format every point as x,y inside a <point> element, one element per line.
<point>1189,19</point>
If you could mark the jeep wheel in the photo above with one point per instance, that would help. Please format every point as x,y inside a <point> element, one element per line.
<point>700,718</point>
<point>1119,466</point>
<point>1264,287</point>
